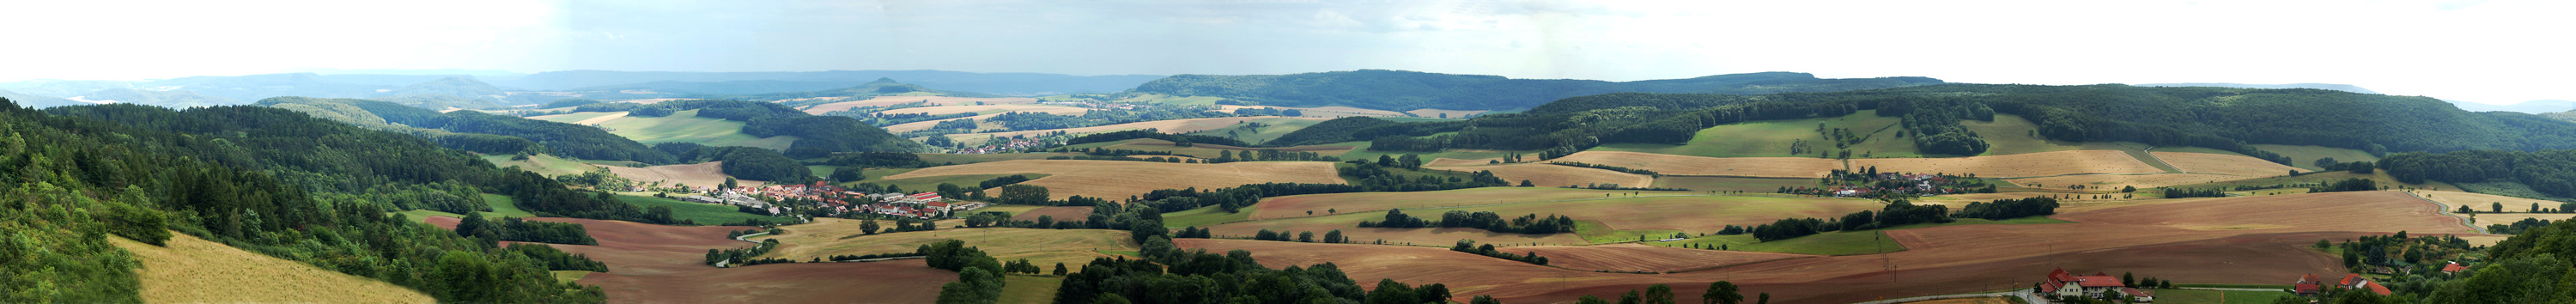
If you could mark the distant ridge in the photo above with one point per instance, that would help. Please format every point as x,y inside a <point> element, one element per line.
<point>1408,90</point>
<point>2320,86</point>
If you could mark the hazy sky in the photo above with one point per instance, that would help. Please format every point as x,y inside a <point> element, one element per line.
<point>2484,51</point>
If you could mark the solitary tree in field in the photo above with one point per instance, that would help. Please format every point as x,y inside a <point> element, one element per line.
<point>2499,207</point>
<point>1722,292</point>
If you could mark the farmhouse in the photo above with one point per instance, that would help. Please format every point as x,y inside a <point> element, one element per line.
<point>2453,268</point>
<point>2061,284</point>
<point>2311,285</point>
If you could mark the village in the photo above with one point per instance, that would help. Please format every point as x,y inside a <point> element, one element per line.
<point>1869,183</point>
<point>2061,286</point>
<point>820,199</point>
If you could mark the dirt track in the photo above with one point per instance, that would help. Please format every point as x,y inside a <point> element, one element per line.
<point>2233,240</point>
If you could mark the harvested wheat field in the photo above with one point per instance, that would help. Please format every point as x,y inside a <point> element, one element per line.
<point>1363,202</point>
<point>2115,181</point>
<point>1176,126</point>
<point>1030,108</point>
<point>2481,202</point>
<point>2017,165</point>
<point>193,270</point>
<point>829,237</point>
<point>1059,213</point>
<point>1791,167</point>
<point>1548,175</point>
<point>2224,164</point>
<point>661,264</point>
<point>925,125</point>
<point>933,100</point>
<point>1649,258</point>
<point>1683,213</point>
<point>1119,179</point>
<point>2251,240</point>
<point>700,174</point>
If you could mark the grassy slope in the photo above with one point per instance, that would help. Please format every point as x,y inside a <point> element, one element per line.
<point>1203,217</point>
<point>931,183</point>
<point>703,214</point>
<point>985,158</point>
<point>1030,289</point>
<point>2305,157</point>
<point>549,165</point>
<point>686,126</point>
<point>192,270</point>
<point>502,206</point>
<point>1278,127</point>
<point>1772,138</point>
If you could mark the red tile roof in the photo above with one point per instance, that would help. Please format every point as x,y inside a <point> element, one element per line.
<point>2134,292</point>
<point>2100,281</point>
<point>2454,267</point>
<point>2349,279</point>
<point>2306,288</point>
<point>2375,287</point>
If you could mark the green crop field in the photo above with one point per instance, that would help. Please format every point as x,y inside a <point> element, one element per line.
<point>1595,232</point>
<point>1829,243</point>
<point>2188,296</point>
<point>1276,127</point>
<point>686,126</point>
<point>1773,138</point>
<point>548,165</point>
<point>504,206</point>
<point>2305,157</point>
<point>1704,184</point>
<point>1030,289</point>
<point>703,214</point>
<point>1203,217</point>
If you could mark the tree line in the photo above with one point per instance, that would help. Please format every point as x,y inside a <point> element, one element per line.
<point>266,180</point>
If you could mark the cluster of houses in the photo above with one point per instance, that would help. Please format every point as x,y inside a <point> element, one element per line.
<point>1015,144</point>
<point>924,205</point>
<point>2312,285</point>
<point>2099,285</point>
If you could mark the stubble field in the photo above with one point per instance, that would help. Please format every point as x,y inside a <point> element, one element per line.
<point>1119,179</point>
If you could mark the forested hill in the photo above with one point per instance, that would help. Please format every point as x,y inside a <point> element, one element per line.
<point>880,87</point>
<point>2223,118</point>
<point>267,180</point>
<point>1405,91</point>
<point>481,133</point>
<point>817,136</point>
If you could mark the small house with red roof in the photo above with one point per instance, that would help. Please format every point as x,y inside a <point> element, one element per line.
<point>2060,283</point>
<point>2139,295</point>
<point>2454,268</point>
<point>2307,285</point>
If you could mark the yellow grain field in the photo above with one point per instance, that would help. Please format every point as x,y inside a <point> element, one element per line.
<point>1790,167</point>
<point>701,174</point>
<point>2017,165</point>
<point>2224,164</point>
<point>1548,175</point>
<point>1119,179</point>
<point>193,270</point>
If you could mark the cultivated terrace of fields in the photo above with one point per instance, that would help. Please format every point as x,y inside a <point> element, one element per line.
<point>1365,186</point>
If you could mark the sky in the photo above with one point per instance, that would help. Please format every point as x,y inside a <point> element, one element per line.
<point>2501,51</point>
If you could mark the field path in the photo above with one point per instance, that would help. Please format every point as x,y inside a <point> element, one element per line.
<point>2148,156</point>
<point>2446,210</point>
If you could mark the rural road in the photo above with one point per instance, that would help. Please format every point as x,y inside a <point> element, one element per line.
<point>2025,295</point>
<point>2438,207</point>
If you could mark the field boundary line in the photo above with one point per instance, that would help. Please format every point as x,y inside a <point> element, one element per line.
<point>1495,204</point>
<point>2438,207</point>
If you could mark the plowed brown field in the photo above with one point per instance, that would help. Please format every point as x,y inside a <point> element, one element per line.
<point>661,264</point>
<point>1119,179</point>
<point>2254,240</point>
<point>1639,257</point>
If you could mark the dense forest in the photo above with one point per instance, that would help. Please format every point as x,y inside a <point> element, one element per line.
<point>2220,118</point>
<point>1406,91</point>
<point>2551,172</point>
<point>744,162</point>
<point>263,180</point>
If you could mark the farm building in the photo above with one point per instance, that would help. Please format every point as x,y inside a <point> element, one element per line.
<point>2061,284</point>
<point>2454,268</point>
